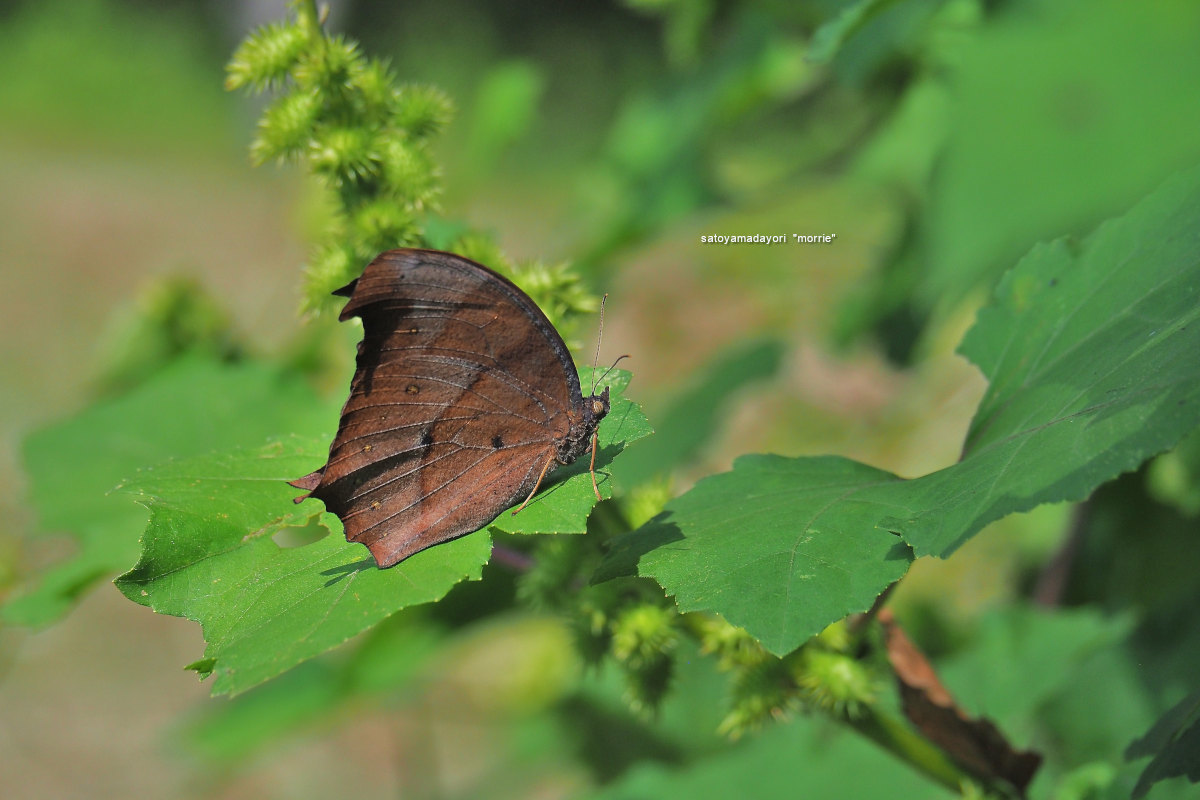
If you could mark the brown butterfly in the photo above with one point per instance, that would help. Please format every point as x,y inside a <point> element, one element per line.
<point>463,399</point>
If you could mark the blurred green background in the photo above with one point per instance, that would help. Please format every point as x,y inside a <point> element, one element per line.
<point>937,140</point>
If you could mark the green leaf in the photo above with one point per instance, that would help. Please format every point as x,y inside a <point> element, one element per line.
<point>781,547</point>
<point>1174,741</point>
<point>192,406</point>
<point>1061,116</point>
<point>208,554</point>
<point>1092,358</point>
<point>1090,352</point>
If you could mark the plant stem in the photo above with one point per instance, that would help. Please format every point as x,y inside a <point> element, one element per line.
<point>895,737</point>
<point>1052,582</point>
<point>310,6</point>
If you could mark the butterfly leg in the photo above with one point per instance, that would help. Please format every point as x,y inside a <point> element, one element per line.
<point>592,467</point>
<point>541,475</point>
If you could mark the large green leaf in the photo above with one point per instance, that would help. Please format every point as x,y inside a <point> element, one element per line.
<point>193,406</point>
<point>779,546</point>
<point>1093,357</point>
<point>210,553</point>
<point>1061,114</point>
<point>1092,354</point>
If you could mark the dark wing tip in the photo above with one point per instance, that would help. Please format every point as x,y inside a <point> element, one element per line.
<point>384,556</point>
<point>310,481</point>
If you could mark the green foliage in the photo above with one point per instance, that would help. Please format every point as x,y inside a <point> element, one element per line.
<point>74,464</point>
<point>267,608</point>
<point>800,754</point>
<point>653,170</point>
<point>345,117</point>
<point>504,110</point>
<point>735,621</point>
<point>1174,741</point>
<point>828,39</point>
<point>684,28</point>
<point>774,546</point>
<point>1047,144</point>
<point>88,74</point>
<point>216,521</point>
<point>1053,426</point>
<point>172,317</point>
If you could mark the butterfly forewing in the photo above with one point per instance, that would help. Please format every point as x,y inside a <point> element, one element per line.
<point>460,391</point>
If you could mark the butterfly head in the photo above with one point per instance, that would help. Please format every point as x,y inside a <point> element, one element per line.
<point>583,424</point>
<point>599,404</point>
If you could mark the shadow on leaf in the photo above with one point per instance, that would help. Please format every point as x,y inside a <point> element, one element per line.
<point>626,551</point>
<point>344,571</point>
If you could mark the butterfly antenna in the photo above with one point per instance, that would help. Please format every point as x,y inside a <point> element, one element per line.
<point>599,336</point>
<point>610,369</point>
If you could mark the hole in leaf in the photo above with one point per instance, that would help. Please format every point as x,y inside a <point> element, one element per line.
<point>299,537</point>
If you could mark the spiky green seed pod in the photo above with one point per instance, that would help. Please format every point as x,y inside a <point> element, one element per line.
<point>589,626</point>
<point>422,111</point>
<point>834,682</point>
<point>383,224</point>
<point>555,568</point>
<point>559,292</point>
<point>646,685</point>
<point>329,269</point>
<point>733,647</point>
<point>375,93</point>
<point>836,637</point>
<point>266,57</point>
<point>285,129</point>
<point>762,692</point>
<point>643,634</point>
<point>409,173</point>
<point>332,68</point>
<point>481,248</point>
<point>345,155</point>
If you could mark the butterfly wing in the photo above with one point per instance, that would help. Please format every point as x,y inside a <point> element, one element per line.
<point>461,389</point>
